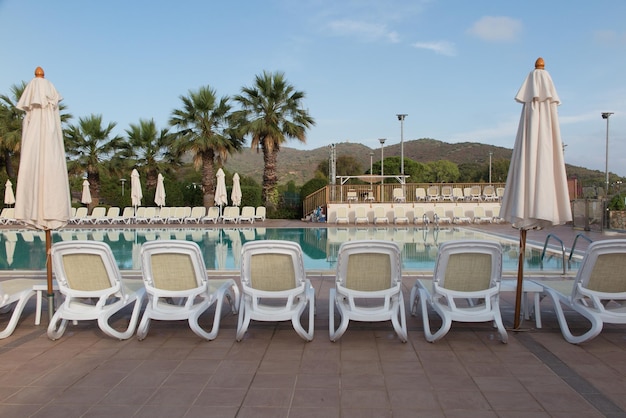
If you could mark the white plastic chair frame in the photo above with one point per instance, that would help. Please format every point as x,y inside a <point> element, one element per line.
<point>86,271</point>
<point>176,282</point>
<point>468,270</point>
<point>598,292</point>
<point>18,292</point>
<point>368,286</point>
<point>275,287</point>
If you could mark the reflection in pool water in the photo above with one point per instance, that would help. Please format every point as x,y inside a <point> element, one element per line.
<point>25,249</point>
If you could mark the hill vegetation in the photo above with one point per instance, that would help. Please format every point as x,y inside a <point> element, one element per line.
<point>299,166</point>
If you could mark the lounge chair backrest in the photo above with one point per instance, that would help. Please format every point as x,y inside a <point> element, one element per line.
<point>173,265</point>
<point>260,212</point>
<point>272,265</point>
<point>603,267</point>
<point>399,211</point>
<point>468,265</point>
<point>420,193</point>
<point>82,212</point>
<point>213,212</point>
<point>370,265</point>
<point>398,192</point>
<point>458,211</point>
<point>99,212</point>
<point>113,212</point>
<point>433,191</point>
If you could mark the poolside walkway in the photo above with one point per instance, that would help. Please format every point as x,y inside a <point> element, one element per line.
<point>273,373</point>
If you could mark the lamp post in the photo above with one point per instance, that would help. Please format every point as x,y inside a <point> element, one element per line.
<point>490,154</point>
<point>605,115</point>
<point>382,160</point>
<point>371,167</point>
<point>122,181</point>
<point>401,117</point>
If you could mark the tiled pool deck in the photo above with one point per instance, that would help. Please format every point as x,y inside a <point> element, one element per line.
<point>273,373</point>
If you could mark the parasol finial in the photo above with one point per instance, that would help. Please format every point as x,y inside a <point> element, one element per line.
<point>539,64</point>
<point>39,72</point>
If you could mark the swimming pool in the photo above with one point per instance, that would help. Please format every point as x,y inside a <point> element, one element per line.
<point>25,249</point>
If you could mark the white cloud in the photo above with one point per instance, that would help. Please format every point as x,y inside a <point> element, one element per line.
<point>439,47</point>
<point>363,30</point>
<point>496,29</point>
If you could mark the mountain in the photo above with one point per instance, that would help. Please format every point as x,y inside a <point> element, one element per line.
<point>300,165</point>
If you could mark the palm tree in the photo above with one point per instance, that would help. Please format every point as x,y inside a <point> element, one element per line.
<point>11,125</point>
<point>271,113</point>
<point>205,130</point>
<point>89,147</point>
<point>153,148</point>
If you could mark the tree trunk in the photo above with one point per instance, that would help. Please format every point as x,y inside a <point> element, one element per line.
<point>8,163</point>
<point>208,179</point>
<point>270,195</point>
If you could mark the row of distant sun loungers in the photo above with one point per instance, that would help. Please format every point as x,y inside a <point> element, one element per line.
<point>167,215</point>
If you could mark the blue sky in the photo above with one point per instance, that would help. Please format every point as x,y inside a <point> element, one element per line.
<point>453,66</point>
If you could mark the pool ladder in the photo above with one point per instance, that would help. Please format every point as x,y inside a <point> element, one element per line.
<point>560,241</point>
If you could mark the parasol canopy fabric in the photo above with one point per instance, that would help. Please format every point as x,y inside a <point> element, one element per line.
<point>42,197</point>
<point>536,193</point>
<point>159,195</point>
<point>235,195</point>
<point>221,196</point>
<point>135,188</point>
<point>9,196</point>
<point>86,196</point>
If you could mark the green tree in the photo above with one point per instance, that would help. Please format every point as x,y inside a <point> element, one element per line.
<point>272,113</point>
<point>206,130</point>
<point>152,148</point>
<point>90,148</point>
<point>443,171</point>
<point>347,165</point>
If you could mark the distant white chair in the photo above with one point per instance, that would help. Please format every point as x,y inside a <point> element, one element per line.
<point>213,215</point>
<point>432,193</point>
<point>197,213</point>
<point>351,196</point>
<point>360,215</point>
<point>420,194</point>
<point>419,215</point>
<point>231,214</point>
<point>247,214</point>
<point>459,216</point>
<point>457,193</point>
<point>7,216</point>
<point>380,217</point>
<point>476,193</point>
<point>439,215</point>
<point>175,278</point>
<point>126,217</point>
<point>369,197</point>
<point>446,193</point>
<point>598,292</point>
<point>341,215</point>
<point>398,195</point>
<point>275,287</point>
<point>179,215</point>
<point>368,286</point>
<point>81,215</point>
<point>399,215</point>
<point>489,193</point>
<point>480,215</point>
<point>259,214</point>
<point>465,287</point>
<point>88,277</point>
<point>499,193</point>
<point>467,193</point>
<point>98,215</point>
<point>112,214</point>
<point>18,292</point>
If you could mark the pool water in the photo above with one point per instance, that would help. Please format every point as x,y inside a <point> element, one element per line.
<point>25,249</point>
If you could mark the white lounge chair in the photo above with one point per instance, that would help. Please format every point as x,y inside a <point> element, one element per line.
<point>399,215</point>
<point>480,216</point>
<point>180,212</point>
<point>126,217</point>
<point>341,215</point>
<point>275,287</point>
<point>18,292</point>
<point>112,213</point>
<point>465,286</point>
<point>368,286</point>
<point>259,214</point>
<point>432,193</point>
<point>420,194</point>
<point>476,193</point>
<point>81,215</point>
<point>457,194</point>
<point>598,292</point>
<point>98,215</point>
<point>231,214</point>
<point>398,195</point>
<point>175,278</point>
<point>351,196</point>
<point>439,215</point>
<point>197,213</point>
<point>380,217</point>
<point>7,216</point>
<point>247,214</point>
<point>459,217</point>
<point>419,215</point>
<point>360,215</point>
<point>489,194</point>
<point>88,277</point>
<point>446,193</point>
<point>213,215</point>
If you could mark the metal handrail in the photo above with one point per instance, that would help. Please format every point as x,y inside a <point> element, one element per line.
<point>580,235</point>
<point>545,245</point>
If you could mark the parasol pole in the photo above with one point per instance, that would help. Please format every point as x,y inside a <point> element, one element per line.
<point>520,277</point>
<point>49,274</point>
